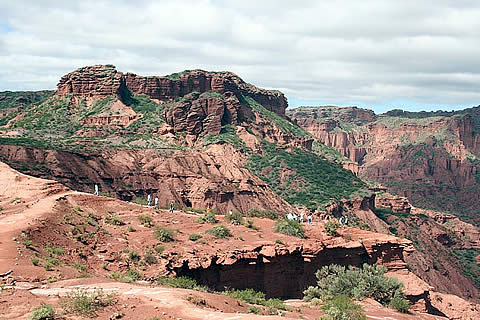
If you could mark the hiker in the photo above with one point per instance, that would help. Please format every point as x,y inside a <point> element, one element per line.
<point>309,218</point>
<point>149,200</point>
<point>230,212</point>
<point>209,209</point>
<point>96,190</point>
<point>341,220</point>
<point>294,217</point>
<point>346,220</point>
<point>156,202</point>
<point>302,216</point>
<point>171,207</point>
<point>289,216</point>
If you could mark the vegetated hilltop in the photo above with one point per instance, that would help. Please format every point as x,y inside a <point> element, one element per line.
<point>198,138</point>
<point>433,158</point>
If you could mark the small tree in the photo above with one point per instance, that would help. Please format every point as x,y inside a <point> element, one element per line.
<point>359,283</point>
<point>331,228</point>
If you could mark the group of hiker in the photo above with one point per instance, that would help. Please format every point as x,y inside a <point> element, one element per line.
<point>289,216</point>
<point>300,218</point>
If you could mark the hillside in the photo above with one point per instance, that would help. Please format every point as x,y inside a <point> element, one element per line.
<point>56,240</point>
<point>205,139</point>
<point>189,137</point>
<point>430,157</point>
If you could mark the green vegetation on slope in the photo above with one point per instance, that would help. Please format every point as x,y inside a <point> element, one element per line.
<point>470,268</point>
<point>226,135</point>
<point>13,99</point>
<point>303,178</point>
<point>284,125</point>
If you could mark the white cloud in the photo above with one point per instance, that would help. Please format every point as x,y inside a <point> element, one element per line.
<point>332,52</point>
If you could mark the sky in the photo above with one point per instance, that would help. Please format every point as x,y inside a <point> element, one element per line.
<point>413,55</point>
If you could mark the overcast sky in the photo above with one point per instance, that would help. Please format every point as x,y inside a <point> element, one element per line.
<point>377,54</point>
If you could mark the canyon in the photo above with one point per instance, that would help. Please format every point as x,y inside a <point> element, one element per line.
<point>202,139</point>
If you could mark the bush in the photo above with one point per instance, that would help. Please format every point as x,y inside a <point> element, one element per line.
<point>208,218</point>
<point>280,241</point>
<point>247,295</point>
<point>114,220</point>
<point>269,214</point>
<point>43,312</point>
<point>159,249</point>
<point>249,224</point>
<point>254,297</point>
<point>254,310</point>
<point>133,256</point>
<point>149,257</point>
<point>146,221</point>
<point>180,282</point>
<point>359,283</point>
<point>84,303</point>
<point>220,232</point>
<point>290,228</point>
<point>331,228</point>
<point>164,234</point>
<point>194,236</point>
<point>134,274</point>
<point>80,267</point>
<point>35,261</point>
<point>235,218</point>
<point>131,229</point>
<point>343,308</point>
<point>399,303</point>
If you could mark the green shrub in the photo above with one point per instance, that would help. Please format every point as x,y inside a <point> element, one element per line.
<point>269,214</point>
<point>80,267</point>
<point>194,237</point>
<point>290,228</point>
<point>247,295</point>
<point>359,283</point>
<point>280,241</point>
<point>343,308</point>
<point>133,256</point>
<point>51,250</point>
<point>209,217</point>
<point>146,221</point>
<point>43,312</point>
<point>254,310</point>
<point>399,303</point>
<point>84,303</point>
<point>114,220</point>
<point>254,297</point>
<point>235,218</point>
<point>48,266</point>
<point>131,229</point>
<point>28,244</point>
<point>159,249</point>
<point>180,282</point>
<point>149,257</point>
<point>35,261</point>
<point>134,275</point>
<point>250,224</point>
<point>164,234</point>
<point>331,228</point>
<point>220,232</point>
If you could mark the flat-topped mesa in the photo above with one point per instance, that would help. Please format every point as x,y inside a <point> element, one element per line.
<point>97,81</point>
<point>180,84</point>
<point>352,114</point>
<point>100,81</point>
